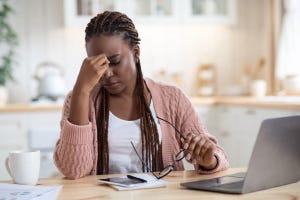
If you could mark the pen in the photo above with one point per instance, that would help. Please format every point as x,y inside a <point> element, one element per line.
<point>133,177</point>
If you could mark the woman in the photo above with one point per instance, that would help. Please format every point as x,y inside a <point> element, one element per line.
<point>112,106</point>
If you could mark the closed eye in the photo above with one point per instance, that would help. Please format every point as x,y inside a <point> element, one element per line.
<point>114,63</point>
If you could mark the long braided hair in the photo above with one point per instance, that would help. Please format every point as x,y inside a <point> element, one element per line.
<point>112,23</point>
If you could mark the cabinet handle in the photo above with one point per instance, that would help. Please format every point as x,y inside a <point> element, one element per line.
<point>251,112</point>
<point>225,109</point>
<point>225,134</point>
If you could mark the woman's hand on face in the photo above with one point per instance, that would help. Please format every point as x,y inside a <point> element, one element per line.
<point>91,71</point>
<point>200,149</point>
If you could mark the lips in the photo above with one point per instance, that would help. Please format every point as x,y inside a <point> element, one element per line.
<point>110,84</point>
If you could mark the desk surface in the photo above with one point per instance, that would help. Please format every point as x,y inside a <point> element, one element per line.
<point>87,189</point>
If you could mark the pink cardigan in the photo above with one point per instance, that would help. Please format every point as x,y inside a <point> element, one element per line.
<point>76,150</point>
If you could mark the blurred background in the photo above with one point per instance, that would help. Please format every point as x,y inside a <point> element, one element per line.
<point>237,60</point>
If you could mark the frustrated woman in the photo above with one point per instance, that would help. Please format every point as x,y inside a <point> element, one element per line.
<point>117,121</point>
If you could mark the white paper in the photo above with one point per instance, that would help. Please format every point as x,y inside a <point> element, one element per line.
<point>152,182</point>
<point>26,192</point>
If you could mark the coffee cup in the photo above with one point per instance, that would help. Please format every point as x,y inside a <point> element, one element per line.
<point>258,88</point>
<point>23,166</point>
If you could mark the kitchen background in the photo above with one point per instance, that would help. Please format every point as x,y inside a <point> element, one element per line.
<point>227,55</point>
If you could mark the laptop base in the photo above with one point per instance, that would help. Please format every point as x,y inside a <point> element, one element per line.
<point>232,184</point>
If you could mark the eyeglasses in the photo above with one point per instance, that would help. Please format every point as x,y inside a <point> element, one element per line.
<point>178,157</point>
<point>161,174</point>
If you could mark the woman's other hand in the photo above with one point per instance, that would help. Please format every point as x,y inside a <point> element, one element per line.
<point>91,71</point>
<point>200,149</point>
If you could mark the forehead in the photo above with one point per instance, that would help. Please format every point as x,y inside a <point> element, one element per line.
<point>107,44</point>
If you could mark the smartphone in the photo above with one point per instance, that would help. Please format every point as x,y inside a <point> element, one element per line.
<point>125,181</point>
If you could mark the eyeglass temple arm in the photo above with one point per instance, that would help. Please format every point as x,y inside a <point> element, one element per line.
<point>138,154</point>
<point>141,159</point>
<point>172,126</point>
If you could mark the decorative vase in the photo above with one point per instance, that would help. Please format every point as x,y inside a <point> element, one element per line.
<point>3,95</point>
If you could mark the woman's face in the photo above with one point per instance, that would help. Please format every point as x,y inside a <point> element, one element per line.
<point>121,74</point>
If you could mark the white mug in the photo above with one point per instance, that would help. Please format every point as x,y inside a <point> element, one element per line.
<point>24,166</point>
<point>258,88</point>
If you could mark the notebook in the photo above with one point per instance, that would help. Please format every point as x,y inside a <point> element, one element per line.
<point>150,182</point>
<point>275,161</point>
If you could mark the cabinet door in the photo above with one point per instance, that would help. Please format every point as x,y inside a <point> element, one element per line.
<point>226,132</point>
<point>13,137</point>
<point>29,131</point>
<point>238,128</point>
<point>211,11</point>
<point>246,133</point>
<point>79,12</point>
<point>158,11</point>
<point>12,131</point>
<point>43,130</point>
<point>208,118</point>
<point>43,133</point>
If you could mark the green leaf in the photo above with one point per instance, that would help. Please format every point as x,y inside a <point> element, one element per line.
<point>9,39</point>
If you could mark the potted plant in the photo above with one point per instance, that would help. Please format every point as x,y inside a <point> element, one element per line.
<point>8,42</point>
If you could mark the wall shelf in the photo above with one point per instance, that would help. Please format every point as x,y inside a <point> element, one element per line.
<point>79,12</point>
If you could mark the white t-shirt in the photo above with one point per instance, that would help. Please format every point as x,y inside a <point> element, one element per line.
<point>122,157</point>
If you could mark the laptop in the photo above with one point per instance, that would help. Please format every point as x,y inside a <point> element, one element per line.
<point>275,161</point>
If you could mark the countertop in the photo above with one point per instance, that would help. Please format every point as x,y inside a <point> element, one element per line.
<point>30,108</point>
<point>88,188</point>
<point>276,102</point>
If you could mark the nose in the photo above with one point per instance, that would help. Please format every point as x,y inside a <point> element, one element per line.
<point>109,73</point>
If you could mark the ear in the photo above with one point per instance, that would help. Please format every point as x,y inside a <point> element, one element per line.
<point>136,52</point>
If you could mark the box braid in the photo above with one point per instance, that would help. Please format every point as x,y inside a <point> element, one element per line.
<point>112,23</point>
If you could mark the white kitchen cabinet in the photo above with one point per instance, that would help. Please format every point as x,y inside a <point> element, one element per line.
<point>236,128</point>
<point>237,131</point>
<point>12,131</point>
<point>210,11</point>
<point>152,11</point>
<point>15,134</point>
<point>79,12</point>
<point>207,115</point>
<point>13,137</point>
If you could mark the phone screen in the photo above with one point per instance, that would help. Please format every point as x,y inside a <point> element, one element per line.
<point>123,181</point>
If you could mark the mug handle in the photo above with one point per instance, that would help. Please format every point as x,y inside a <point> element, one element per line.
<point>7,166</point>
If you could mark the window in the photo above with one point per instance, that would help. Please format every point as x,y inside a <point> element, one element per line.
<point>287,60</point>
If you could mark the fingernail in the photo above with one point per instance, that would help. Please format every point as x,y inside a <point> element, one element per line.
<point>188,156</point>
<point>186,145</point>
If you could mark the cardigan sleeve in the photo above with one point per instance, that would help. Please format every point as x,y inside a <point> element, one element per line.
<point>74,151</point>
<point>191,123</point>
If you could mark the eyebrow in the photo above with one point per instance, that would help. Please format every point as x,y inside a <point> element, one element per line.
<point>113,56</point>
